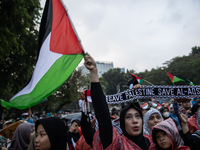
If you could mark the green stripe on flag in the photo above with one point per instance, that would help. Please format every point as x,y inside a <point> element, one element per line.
<point>140,81</point>
<point>176,79</point>
<point>59,72</point>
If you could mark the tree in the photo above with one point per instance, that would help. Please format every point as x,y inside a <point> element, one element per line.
<point>112,79</point>
<point>185,66</point>
<point>18,48</point>
<point>195,50</point>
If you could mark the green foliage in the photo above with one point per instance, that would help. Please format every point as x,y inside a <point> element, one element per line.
<point>18,44</point>
<point>195,50</point>
<point>18,48</point>
<point>112,78</point>
<point>185,66</point>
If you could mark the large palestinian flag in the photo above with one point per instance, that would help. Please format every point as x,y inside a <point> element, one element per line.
<point>175,78</point>
<point>59,54</point>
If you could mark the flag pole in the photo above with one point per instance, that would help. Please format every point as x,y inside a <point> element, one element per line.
<point>148,82</point>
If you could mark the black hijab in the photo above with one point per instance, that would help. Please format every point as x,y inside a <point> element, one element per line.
<point>140,140</point>
<point>75,136</point>
<point>56,131</point>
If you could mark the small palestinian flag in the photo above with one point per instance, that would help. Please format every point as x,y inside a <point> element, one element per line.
<point>60,52</point>
<point>175,78</point>
<point>145,106</point>
<point>140,80</point>
<point>154,104</point>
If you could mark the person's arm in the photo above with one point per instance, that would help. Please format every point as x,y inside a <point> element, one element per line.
<point>176,110</point>
<point>189,140</point>
<point>184,119</point>
<point>86,128</point>
<point>176,107</point>
<point>99,104</point>
<point>29,113</point>
<point>193,142</point>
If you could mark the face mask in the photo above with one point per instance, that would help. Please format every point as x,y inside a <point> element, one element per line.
<point>166,114</point>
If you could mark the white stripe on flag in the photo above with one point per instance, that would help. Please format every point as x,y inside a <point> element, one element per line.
<point>46,59</point>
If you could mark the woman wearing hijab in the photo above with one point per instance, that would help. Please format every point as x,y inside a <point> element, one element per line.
<point>151,118</point>
<point>73,134</point>
<point>21,137</point>
<point>50,134</point>
<point>166,136</point>
<point>130,119</point>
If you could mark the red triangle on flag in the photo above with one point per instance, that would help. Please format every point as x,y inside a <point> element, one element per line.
<point>170,76</point>
<point>63,37</point>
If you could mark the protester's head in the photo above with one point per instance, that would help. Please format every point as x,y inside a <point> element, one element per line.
<point>75,125</point>
<point>195,108</point>
<point>151,118</point>
<point>165,135</point>
<point>131,121</point>
<point>50,134</point>
<point>163,104</point>
<point>113,109</point>
<point>145,108</point>
<point>186,104</point>
<point>115,114</point>
<point>22,136</point>
<point>165,112</point>
<point>162,139</point>
<point>159,107</point>
<point>171,109</point>
<point>82,96</point>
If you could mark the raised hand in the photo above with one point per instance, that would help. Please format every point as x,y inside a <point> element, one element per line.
<point>183,117</point>
<point>90,64</point>
<point>137,86</point>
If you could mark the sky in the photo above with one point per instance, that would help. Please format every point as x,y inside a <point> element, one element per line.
<point>136,34</point>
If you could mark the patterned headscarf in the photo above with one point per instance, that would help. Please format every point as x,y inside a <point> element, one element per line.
<point>147,116</point>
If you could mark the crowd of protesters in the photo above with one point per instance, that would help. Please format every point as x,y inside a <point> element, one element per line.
<point>174,125</point>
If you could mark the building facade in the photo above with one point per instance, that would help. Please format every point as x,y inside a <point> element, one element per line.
<point>101,66</point>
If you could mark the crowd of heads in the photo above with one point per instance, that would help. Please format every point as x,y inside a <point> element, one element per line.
<point>158,120</point>
<point>46,132</point>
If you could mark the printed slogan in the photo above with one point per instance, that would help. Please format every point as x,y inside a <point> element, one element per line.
<point>155,91</point>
